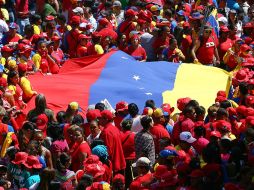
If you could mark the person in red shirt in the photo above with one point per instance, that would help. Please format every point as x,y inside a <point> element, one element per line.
<point>158,131</point>
<point>145,177</point>
<point>186,41</point>
<point>3,127</point>
<point>72,37</point>
<point>162,41</point>
<point>57,53</point>
<point>245,51</point>
<point>121,113</point>
<point>204,49</point>
<point>11,37</point>
<point>184,123</point>
<point>127,139</point>
<point>111,137</point>
<point>232,57</point>
<point>135,49</point>
<point>80,151</point>
<point>82,47</point>
<point>224,42</point>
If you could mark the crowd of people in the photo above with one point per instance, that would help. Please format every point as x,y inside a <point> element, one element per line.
<point>155,147</point>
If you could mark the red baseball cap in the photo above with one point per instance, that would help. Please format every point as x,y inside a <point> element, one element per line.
<point>250,120</point>
<point>75,20</point>
<point>223,125</point>
<point>121,106</point>
<point>49,18</point>
<point>119,178</point>
<point>241,109</point>
<point>33,162</point>
<point>130,13</point>
<point>147,111</point>
<point>20,158</point>
<point>95,170</point>
<point>249,112</point>
<point>167,108</point>
<point>220,99</point>
<point>241,76</point>
<point>182,102</point>
<point>221,93</point>
<point>55,38</point>
<point>83,36</point>
<point>6,49</point>
<point>103,21</point>
<point>92,159</point>
<point>249,100</point>
<point>160,170</point>
<point>215,134</point>
<point>22,67</point>
<point>41,122</point>
<point>3,82</point>
<point>93,114</point>
<point>245,48</point>
<point>107,114</point>
<point>224,29</point>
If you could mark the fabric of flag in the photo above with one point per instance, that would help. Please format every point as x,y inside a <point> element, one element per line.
<point>213,21</point>
<point>117,76</point>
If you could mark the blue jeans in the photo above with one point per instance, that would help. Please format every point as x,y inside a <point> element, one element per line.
<point>22,23</point>
<point>11,16</point>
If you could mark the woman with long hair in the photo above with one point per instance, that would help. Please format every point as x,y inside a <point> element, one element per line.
<point>40,108</point>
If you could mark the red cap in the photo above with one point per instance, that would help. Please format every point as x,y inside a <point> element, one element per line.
<point>6,49</point>
<point>119,178</point>
<point>41,122</point>
<point>130,13</point>
<point>250,120</point>
<point>167,108</point>
<point>20,158</point>
<point>92,159</point>
<point>107,114</point>
<point>241,76</point>
<point>231,186</point>
<point>245,48</point>
<point>224,29</point>
<point>221,93</point>
<point>241,109</point>
<point>121,106</point>
<point>22,67</point>
<point>232,111</point>
<point>33,162</point>
<point>249,112</point>
<point>197,173</point>
<point>215,134</point>
<point>223,125</point>
<point>186,25</point>
<point>55,38</point>
<point>3,82</point>
<point>75,20</point>
<point>93,114</point>
<point>248,25</point>
<point>49,18</point>
<point>83,36</point>
<point>95,170</point>
<point>220,99</point>
<point>249,100</point>
<point>103,21</point>
<point>182,102</point>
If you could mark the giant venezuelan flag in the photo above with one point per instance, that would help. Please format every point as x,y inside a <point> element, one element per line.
<point>117,76</point>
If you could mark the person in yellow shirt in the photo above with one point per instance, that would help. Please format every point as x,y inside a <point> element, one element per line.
<point>25,84</point>
<point>36,20</point>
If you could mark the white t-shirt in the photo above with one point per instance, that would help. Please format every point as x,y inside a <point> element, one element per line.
<point>3,28</point>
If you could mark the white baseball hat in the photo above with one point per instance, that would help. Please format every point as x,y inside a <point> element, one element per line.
<point>187,137</point>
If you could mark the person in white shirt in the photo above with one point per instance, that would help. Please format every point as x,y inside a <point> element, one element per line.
<point>118,12</point>
<point>89,16</point>
<point>3,27</point>
<point>95,132</point>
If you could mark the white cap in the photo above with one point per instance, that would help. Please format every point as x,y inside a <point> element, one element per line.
<point>78,10</point>
<point>187,137</point>
<point>142,161</point>
<point>223,20</point>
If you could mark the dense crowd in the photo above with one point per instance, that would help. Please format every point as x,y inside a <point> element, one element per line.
<point>155,147</point>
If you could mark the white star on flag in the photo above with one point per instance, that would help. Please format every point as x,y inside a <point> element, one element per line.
<point>136,77</point>
<point>149,94</point>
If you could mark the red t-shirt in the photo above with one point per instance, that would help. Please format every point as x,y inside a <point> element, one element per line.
<point>22,6</point>
<point>223,47</point>
<point>158,43</point>
<point>158,132</point>
<point>139,53</point>
<point>72,40</point>
<point>127,139</point>
<point>186,44</point>
<point>75,154</point>
<point>111,136</point>
<point>205,52</point>
<point>140,182</point>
